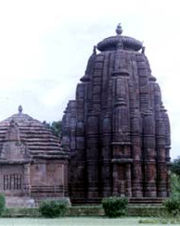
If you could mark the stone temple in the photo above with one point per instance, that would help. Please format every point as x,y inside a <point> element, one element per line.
<point>117,130</point>
<point>32,164</point>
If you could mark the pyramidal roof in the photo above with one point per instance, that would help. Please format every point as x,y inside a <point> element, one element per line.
<point>38,138</point>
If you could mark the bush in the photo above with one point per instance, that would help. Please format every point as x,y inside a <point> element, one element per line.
<point>53,208</point>
<point>175,185</point>
<point>172,205</point>
<point>115,206</point>
<point>2,203</point>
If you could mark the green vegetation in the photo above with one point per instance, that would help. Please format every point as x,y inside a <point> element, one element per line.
<point>145,210</point>
<point>88,211</point>
<point>2,203</point>
<point>175,166</point>
<point>91,210</point>
<point>160,221</point>
<point>175,185</point>
<point>21,212</point>
<point>115,206</point>
<point>172,205</point>
<point>55,126</point>
<point>53,208</point>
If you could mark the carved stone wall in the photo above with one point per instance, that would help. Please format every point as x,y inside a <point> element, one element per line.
<point>12,179</point>
<point>117,130</point>
<point>32,163</point>
<point>47,179</point>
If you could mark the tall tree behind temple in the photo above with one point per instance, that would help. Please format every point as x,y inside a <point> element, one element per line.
<point>55,126</point>
<point>175,166</point>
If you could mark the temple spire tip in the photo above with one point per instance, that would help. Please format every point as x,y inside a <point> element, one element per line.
<point>20,109</point>
<point>119,29</point>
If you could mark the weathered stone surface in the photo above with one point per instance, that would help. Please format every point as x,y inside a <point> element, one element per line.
<point>33,165</point>
<point>117,131</point>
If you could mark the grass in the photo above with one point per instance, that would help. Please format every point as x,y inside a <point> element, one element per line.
<point>78,221</point>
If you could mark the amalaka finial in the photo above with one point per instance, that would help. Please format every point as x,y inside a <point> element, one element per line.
<point>119,29</point>
<point>20,109</point>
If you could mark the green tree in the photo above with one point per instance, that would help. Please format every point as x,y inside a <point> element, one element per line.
<point>55,126</point>
<point>175,185</point>
<point>175,178</point>
<point>175,166</point>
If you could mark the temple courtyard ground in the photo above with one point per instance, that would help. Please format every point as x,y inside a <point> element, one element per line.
<point>76,221</point>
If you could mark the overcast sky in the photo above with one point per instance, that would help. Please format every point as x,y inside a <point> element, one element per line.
<point>45,45</point>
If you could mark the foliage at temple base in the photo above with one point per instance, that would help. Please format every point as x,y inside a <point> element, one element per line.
<point>2,203</point>
<point>172,204</point>
<point>115,206</point>
<point>53,208</point>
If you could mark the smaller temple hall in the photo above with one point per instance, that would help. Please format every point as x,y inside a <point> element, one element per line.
<point>32,163</point>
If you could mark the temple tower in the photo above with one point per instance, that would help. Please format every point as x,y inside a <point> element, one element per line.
<point>117,130</point>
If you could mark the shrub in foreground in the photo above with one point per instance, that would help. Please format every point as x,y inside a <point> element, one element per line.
<point>53,208</point>
<point>2,203</point>
<point>172,205</point>
<point>115,206</point>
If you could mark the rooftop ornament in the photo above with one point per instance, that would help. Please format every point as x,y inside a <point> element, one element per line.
<point>119,41</point>
<point>20,109</point>
<point>119,29</point>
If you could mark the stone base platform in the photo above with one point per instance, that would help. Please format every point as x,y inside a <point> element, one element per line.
<point>133,200</point>
<point>146,200</point>
<point>19,202</point>
<point>29,202</point>
<point>38,200</point>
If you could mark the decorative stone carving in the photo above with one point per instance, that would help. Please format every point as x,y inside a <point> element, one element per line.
<point>13,149</point>
<point>33,165</point>
<point>122,137</point>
